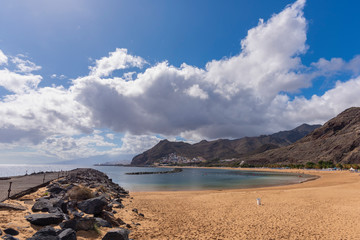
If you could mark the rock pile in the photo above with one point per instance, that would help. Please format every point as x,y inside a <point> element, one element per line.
<point>86,199</point>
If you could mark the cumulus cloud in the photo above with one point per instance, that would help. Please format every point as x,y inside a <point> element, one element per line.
<point>134,144</point>
<point>66,147</point>
<point>119,59</point>
<point>243,95</point>
<point>39,113</point>
<point>18,83</point>
<point>24,65</point>
<point>196,91</point>
<point>226,99</point>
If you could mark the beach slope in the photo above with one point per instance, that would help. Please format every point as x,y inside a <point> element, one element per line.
<point>326,208</point>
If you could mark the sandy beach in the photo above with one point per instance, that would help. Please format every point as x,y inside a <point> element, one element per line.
<point>326,208</point>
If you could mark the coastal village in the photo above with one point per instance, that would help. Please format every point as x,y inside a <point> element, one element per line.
<point>173,158</point>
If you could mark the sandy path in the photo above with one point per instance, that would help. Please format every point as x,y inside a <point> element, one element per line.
<point>327,208</point>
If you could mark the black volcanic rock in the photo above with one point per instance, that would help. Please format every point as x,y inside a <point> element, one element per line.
<point>46,233</point>
<point>44,219</point>
<point>223,148</point>
<point>117,234</point>
<point>337,141</point>
<point>93,205</point>
<point>67,234</point>
<point>42,205</point>
<point>11,231</point>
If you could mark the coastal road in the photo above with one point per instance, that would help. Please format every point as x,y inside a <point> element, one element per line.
<point>22,183</point>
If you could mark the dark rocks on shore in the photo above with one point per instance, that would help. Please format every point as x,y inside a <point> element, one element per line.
<point>70,198</point>
<point>11,231</point>
<point>42,205</point>
<point>117,234</point>
<point>102,223</point>
<point>67,234</point>
<point>49,233</point>
<point>46,233</point>
<point>93,205</point>
<point>44,219</point>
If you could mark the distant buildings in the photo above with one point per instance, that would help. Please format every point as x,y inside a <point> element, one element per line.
<point>173,158</point>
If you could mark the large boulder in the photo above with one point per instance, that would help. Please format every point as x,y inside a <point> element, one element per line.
<point>102,223</point>
<point>42,205</point>
<point>67,234</point>
<point>46,233</point>
<point>77,224</point>
<point>69,224</point>
<point>56,190</point>
<point>44,219</point>
<point>93,205</point>
<point>58,202</point>
<point>117,234</point>
<point>85,224</point>
<point>109,217</point>
<point>11,231</point>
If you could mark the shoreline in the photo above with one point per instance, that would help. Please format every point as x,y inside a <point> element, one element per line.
<point>312,177</point>
<point>323,209</point>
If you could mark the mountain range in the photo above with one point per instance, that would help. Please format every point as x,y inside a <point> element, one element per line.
<point>337,141</point>
<point>222,149</point>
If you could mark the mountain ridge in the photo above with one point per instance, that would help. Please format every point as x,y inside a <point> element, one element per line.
<point>337,141</point>
<point>222,148</point>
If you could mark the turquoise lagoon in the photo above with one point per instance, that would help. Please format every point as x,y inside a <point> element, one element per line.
<point>197,179</point>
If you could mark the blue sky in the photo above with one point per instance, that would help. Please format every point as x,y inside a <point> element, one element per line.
<point>104,80</point>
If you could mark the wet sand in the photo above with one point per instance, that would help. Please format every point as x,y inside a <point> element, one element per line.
<point>326,208</point>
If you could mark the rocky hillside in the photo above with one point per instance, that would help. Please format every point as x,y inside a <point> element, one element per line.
<point>337,141</point>
<point>223,148</point>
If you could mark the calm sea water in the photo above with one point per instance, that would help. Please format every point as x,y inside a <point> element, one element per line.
<point>7,170</point>
<point>196,179</point>
<point>188,179</point>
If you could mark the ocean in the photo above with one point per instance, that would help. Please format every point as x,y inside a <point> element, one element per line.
<point>188,179</point>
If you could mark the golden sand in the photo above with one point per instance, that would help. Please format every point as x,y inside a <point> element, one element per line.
<point>326,208</point>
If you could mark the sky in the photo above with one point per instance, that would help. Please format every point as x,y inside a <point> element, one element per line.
<point>94,81</point>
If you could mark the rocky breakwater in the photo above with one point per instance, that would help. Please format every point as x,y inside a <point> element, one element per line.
<point>85,200</point>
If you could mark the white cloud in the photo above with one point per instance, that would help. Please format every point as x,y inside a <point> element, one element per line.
<point>119,59</point>
<point>40,113</point>
<point>322,108</point>
<point>197,92</point>
<point>226,99</point>
<point>23,65</point>
<point>65,147</point>
<point>3,58</point>
<point>18,83</point>
<point>244,95</point>
<point>110,136</point>
<point>62,76</point>
<point>134,144</point>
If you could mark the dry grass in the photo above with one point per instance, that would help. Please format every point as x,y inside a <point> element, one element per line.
<point>80,193</point>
